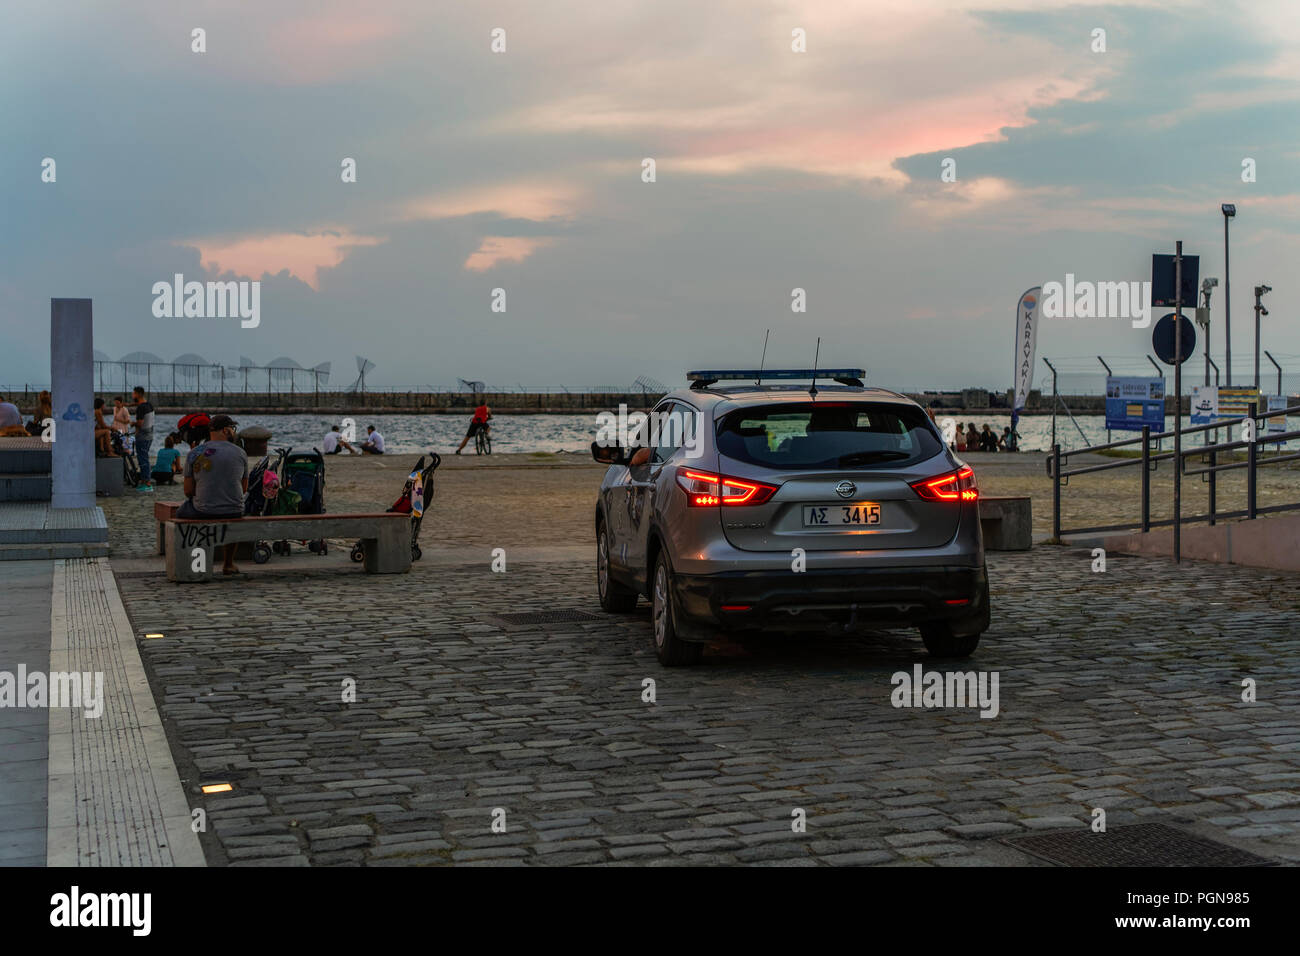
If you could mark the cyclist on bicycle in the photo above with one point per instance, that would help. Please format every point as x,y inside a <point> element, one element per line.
<point>479,423</point>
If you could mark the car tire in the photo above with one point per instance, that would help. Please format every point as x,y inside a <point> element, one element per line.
<point>940,640</point>
<point>671,650</point>
<point>614,597</point>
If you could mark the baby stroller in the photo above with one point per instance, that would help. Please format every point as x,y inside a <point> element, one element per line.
<point>415,497</point>
<point>124,445</point>
<point>290,483</point>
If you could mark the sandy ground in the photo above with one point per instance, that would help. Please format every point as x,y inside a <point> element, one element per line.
<point>547,500</point>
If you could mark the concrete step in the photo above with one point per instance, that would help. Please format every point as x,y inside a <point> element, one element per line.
<point>50,552</point>
<point>24,456</point>
<point>36,523</point>
<point>24,486</point>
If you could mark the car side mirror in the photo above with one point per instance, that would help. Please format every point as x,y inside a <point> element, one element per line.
<point>608,454</point>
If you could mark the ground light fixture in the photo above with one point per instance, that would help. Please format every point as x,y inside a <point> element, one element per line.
<point>154,637</point>
<point>217,787</point>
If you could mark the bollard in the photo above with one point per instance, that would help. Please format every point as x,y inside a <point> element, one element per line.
<point>1252,460</point>
<point>1056,493</point>
<point>1146,478</point>
<point>1214,462</point>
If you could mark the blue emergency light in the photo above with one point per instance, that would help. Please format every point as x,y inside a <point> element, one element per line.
<point>845,376</point>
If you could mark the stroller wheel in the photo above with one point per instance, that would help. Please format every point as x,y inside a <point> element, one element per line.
<point>357,553</point>
<point>416,553</point>
<point>324,548</point>
<point>313,546</point>
<point>261,553</point>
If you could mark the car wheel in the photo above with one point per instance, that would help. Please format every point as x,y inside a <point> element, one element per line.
<point>940,641</point>
<point>671,650</point>
<point>614,597</point>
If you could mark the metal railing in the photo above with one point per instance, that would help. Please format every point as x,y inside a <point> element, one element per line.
<point>1148,461</point>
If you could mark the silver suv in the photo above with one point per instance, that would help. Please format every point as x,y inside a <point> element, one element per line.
<point>784,507</point>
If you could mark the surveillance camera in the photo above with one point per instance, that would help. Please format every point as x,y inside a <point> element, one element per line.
<point>1209,283</point>
<point>1263,311</point>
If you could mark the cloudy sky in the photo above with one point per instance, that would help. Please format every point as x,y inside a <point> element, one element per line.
<point>522,170</point>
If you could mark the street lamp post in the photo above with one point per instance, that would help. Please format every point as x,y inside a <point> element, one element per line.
<point>1203,320</point>
<point>1229,210</point>
<point>1260,291</point>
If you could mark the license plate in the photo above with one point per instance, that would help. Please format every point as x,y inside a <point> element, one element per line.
<point>833,516</point>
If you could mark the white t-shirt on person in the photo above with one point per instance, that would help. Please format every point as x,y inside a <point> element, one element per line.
<point>376,441</point>
<point>330,443</point>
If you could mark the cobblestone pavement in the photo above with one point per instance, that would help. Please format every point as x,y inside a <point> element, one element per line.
<point>1120,690</point>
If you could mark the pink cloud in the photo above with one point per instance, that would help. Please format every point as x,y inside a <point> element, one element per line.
<point>304,256</point>
<point>535,200</point>
<point>497,249</point>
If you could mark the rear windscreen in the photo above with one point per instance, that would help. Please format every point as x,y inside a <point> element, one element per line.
<point>828,435</point>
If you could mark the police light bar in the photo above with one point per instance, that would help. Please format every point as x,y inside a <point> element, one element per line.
<point>705,378</point>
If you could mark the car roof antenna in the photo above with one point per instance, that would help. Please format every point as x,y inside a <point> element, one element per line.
<point>763,360</point>
<point>812,389</point>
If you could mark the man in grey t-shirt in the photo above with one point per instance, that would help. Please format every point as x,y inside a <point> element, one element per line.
<point>216,480</point>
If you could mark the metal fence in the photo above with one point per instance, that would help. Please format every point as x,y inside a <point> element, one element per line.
<point>1149,460</point>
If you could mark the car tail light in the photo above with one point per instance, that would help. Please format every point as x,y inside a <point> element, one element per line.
<point>954,486</point>
<point>705,491</point>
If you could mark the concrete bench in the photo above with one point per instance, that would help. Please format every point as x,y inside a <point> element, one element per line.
<point>1007,523</point>
<point>164,511</point>
<point>385,537</point>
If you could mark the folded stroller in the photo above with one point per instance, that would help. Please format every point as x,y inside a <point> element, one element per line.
<point>415,497</point>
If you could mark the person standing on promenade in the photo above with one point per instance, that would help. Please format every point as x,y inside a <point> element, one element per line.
<point>121,416</point>
<point>988,440</point>
<point>482,414</point>
<point>143,436</point>
<point>216,480</point>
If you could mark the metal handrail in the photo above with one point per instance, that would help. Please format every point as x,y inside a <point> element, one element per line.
<point>1147,462</point>
<point>1192,430</point>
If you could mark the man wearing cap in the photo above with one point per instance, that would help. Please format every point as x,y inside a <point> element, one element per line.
<point>216,480</point>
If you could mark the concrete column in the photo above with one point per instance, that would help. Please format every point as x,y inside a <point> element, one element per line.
<point>72,386</point>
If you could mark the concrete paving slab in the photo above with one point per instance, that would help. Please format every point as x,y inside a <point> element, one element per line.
<point>114,795</point>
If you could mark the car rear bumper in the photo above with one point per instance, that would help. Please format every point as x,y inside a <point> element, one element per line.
<point>786,600</point>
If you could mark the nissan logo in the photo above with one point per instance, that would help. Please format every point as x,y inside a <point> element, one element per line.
<point>846,489</point>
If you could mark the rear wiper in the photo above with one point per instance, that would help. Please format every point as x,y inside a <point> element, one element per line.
<point>862,457</point>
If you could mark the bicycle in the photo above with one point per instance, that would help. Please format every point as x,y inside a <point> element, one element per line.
<point>483,441</point>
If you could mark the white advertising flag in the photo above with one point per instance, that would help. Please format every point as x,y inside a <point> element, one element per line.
<point>1026,342</point>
